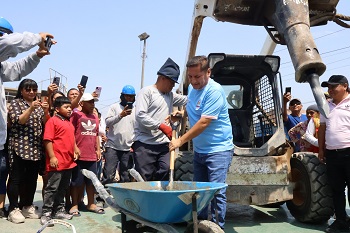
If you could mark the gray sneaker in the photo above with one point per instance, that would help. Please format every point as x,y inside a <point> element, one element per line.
<point>16,216</point>
<point>31,212</point>
<point>45,218</point>
<point>62,214</point>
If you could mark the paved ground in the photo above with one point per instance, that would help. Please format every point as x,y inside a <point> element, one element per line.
<point>240,219</point>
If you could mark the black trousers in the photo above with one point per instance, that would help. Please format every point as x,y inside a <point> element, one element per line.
<point>22,182</point>
<point>55,191</point>
<point>112,158</point>
<point>338,172</point>
<point>152,161</point>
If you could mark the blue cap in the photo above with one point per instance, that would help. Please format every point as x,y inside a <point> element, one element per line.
<point>170,70</point>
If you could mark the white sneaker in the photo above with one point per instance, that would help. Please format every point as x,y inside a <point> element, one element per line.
<point>16,216</point>
<point>31,212</point>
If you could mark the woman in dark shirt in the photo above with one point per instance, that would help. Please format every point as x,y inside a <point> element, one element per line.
<point>27,116</point>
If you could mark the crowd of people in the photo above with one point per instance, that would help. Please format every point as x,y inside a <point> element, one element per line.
<point>58,136</point>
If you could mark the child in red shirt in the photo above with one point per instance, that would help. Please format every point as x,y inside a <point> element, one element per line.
<point>59,142</point>
<point>86,126</point>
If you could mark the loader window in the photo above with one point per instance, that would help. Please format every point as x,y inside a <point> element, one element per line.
<point>234,96</point>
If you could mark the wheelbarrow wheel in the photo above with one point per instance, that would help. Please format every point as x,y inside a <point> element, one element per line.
<point>205,226</point>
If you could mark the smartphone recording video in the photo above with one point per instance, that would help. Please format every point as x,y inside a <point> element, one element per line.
<point>98,91</point>
<point>129,105</point>
<point>56,80</point>
<point>83,80</point>
<point>48,43</point>
<point>288,89</point>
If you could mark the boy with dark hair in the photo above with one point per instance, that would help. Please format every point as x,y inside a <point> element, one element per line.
<point>86,126</point>
<point>61,152</point>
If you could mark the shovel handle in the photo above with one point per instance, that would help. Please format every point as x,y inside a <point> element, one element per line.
<point>172,153</point>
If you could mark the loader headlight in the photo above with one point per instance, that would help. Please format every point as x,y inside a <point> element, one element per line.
<point>215,58</point>
<point>274,62</point>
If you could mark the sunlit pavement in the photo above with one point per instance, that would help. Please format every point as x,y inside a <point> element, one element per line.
<point>240,219</point>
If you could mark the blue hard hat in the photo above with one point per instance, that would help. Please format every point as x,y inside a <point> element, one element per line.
<point>128,90</point>
<point>5,26</point>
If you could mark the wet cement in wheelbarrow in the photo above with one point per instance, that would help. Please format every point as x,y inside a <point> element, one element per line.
<point>176,186</point>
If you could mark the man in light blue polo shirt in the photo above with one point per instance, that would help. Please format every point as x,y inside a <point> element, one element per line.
<point>210,130</point>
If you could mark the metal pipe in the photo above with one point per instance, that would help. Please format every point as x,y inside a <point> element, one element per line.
<point>323,107</point>
<point>143,62</point>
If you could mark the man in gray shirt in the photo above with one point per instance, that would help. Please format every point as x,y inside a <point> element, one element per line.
<point>121,123</point>
<point>10,45</point>
<point>152,133</point>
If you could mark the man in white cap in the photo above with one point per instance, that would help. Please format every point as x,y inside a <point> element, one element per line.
<point>152,134</point>
<point>334,147</point>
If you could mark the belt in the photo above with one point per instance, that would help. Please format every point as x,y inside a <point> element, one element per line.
<point>340,150</point>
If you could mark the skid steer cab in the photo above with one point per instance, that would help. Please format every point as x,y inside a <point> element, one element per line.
<point>264,169</point>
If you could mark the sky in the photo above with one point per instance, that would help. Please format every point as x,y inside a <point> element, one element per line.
<point>99,39</point>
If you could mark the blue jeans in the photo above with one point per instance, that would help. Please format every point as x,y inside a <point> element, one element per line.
<point>213,168</point>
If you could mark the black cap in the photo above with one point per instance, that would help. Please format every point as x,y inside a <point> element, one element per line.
<point>170,70</point>
<point>294,101</point>
<point>335,79</point>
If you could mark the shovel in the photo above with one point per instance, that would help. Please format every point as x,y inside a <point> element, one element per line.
<point>172,165</point>
<point>174,126</point>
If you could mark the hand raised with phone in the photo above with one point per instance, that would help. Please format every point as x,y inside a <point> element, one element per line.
<point>84,80</point>
<point>45,44</point>
<point>126,111</point>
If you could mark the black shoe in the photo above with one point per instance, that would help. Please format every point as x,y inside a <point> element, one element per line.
<point>338,226</point>
<point>62,214</point>
<point>45,219</point>
<point>3,213</point>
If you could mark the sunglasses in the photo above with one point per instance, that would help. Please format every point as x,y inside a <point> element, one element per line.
<point>31,89</point>
<point>291,105</point>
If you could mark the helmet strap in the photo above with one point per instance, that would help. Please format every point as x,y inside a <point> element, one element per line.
<point>5,30</point>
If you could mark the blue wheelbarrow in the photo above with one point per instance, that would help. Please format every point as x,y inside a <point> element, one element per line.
<point>151,204</point>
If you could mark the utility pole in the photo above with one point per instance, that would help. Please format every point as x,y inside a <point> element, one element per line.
<point>143,37</point>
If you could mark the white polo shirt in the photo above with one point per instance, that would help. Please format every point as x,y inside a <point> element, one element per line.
<point>338,125</point>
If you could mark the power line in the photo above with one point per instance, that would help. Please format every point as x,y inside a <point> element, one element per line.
<point>335,50</point>
<point>331,33</point>
<point>331,51</point>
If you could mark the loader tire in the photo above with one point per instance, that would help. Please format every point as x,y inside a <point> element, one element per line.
<point>184,166</point>
<point>205,226</point>
<point>312,195</point>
